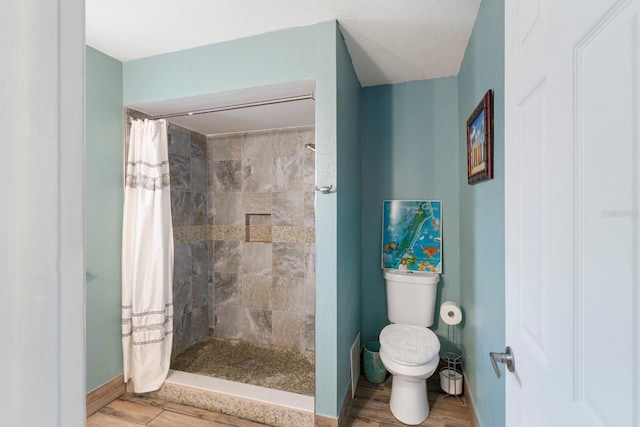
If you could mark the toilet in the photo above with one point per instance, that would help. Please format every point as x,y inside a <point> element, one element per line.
<point>409,350</point>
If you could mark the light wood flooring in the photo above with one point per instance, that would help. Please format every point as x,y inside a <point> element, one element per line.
<point>130,410</point>
<point>370,408</point>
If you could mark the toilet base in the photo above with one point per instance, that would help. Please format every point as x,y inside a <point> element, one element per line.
<point>409,402</point>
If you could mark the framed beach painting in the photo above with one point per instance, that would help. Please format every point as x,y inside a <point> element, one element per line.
<point>480,141</point>
<point>412,235</point>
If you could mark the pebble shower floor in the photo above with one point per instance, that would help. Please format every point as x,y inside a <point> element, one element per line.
<point>240,361</point>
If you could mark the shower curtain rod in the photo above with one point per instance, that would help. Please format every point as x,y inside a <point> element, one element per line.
<point>236,106</point>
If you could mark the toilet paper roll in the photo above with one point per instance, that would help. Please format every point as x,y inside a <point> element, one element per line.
<point>450,313</point>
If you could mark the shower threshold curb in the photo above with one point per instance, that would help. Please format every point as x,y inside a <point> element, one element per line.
<point>260,404</point>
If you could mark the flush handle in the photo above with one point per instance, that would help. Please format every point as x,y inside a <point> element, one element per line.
<point>506,358</point>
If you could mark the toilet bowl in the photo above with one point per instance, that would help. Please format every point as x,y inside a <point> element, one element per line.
<point>411,354</point>
<point>409,350</point>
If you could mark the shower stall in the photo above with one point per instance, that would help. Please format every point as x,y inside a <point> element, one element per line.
<point>243,218</point>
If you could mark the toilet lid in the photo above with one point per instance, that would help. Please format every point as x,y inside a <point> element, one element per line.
<point>410,345</point>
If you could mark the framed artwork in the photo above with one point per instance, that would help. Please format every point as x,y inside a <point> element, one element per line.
<point>480,141</point>
<point>412,235</point>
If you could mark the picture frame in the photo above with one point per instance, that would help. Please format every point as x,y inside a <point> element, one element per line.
<point>480,141</point>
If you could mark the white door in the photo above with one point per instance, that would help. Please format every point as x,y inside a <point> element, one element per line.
<point>572,107</point>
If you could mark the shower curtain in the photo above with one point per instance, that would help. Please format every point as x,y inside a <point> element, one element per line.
<point>147,258</point>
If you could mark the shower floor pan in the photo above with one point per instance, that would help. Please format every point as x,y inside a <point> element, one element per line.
<point>239,361</point>
<point>268,385</point>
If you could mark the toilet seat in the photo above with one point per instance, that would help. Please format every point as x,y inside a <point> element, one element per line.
<point>409,345</point>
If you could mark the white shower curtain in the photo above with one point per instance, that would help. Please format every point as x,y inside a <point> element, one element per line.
<point>147,258</point>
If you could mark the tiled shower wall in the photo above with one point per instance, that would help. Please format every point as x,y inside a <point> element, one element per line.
<point>262,225</point>
<point>188,170</point>
<point>242,207</point>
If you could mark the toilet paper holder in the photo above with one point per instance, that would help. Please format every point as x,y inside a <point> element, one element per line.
<point>451,378</point>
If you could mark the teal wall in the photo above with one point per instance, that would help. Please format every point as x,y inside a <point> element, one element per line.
<point>282,56</point>
<point>482,219</point>
<point>349,300</point>
<point>410,151</point>
<point>103,215</point>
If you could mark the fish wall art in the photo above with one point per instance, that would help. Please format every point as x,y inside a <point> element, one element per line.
<point>412,235</point>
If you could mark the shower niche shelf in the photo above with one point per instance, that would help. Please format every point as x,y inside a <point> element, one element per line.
<point>258,228</point>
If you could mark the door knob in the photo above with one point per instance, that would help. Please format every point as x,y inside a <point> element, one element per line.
<point>506,358</point>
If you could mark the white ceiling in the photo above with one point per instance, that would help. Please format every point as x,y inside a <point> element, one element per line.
<point>390,41</point>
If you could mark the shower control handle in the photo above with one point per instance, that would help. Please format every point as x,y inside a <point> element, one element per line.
<point>506,358</point>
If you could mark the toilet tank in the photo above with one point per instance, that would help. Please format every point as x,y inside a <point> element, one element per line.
<point>411,296</point>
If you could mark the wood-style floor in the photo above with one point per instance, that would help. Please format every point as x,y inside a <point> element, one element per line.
<point>370,408</point>
<point>130,410</point>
